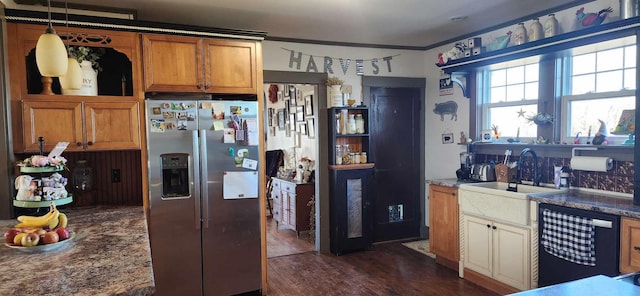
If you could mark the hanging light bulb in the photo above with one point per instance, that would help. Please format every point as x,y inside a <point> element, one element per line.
<point>72,79</point>
<point>51,56</point>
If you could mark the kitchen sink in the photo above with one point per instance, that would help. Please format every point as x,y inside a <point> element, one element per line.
<point>523,190</point>
<point>492,200</point>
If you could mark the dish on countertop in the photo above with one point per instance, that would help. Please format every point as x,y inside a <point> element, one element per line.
<point>44,248</point>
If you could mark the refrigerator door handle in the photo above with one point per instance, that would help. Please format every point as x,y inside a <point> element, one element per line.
<point>205,177</point>
<point>195,178</point>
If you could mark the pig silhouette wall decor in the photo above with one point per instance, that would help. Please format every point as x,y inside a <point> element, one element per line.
<point>448,107</point>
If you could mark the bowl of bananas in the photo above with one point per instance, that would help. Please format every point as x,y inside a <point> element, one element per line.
<point>44,233</point>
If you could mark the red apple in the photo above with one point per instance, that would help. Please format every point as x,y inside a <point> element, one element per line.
<point>51,237</point>
<point>10,234</point>
<point>63,233</point>
<point>30,240</point>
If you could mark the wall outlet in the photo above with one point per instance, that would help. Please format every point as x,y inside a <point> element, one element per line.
<point>115,176</point>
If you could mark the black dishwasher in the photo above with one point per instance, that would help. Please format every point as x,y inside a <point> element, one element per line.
<point>575,243</point>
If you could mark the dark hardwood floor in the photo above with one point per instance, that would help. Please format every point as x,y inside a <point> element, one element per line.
<point>284,242</point>
<point>388,269</point>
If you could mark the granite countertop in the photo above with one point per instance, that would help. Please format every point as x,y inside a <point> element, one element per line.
<point>591,200</point>
<point>450,182</point>
<point>595,285</point>
<point>110,255</point>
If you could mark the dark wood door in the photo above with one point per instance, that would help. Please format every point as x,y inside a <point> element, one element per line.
<point>395,144</point>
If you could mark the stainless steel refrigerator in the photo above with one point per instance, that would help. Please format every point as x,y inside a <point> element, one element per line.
<point>203,196</point>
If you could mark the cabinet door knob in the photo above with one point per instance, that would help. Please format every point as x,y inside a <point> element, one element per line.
<point>207,86</point>
<point>495,227</point>
<point>78,144</point>
<point>89,143</point>
<point>488,226</point>
<point>636,248</point>
<point>200,86</point>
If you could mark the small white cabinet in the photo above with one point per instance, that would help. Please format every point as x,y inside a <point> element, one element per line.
<point>497,250</point>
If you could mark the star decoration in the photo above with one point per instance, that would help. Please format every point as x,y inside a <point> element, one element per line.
<point>521,113</point>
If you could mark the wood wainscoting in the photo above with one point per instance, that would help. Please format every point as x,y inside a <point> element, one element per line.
<point>105,192</point>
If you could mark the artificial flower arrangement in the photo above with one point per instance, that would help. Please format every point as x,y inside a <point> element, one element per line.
<point>334,81</point>
<point>57,162</point>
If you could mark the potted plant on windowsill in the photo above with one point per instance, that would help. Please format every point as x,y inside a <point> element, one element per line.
<point>88,58</point>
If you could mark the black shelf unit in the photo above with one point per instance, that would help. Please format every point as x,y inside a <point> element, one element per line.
<point>357,142</point>
<point>351,208</point>
<point>351,188</point>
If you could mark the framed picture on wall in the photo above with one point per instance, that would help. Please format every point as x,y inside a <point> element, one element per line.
<point>286,108</point>
<point>308,105</point>
<point>292,93</point>
<point>281,119</point>
<point>292,121</point>
<point>285,90</point>
<point>300,113</point>
<point>292,108</point>
<point>287,131</point>
<point>311,129</point>
<point>270,116</point>
<point>272,131</point>
<point>302,128</point>
<point>296,140</point>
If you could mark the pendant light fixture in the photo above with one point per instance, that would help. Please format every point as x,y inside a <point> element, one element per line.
<point>72,79</point>
<point>51,56</point>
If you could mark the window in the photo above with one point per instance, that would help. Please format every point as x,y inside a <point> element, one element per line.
<point>599,82</point>
<point>593,83</point>
<point>510,98</point>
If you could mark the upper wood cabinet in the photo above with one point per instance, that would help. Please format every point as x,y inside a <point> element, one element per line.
<point>87,126</point>
<point>190,64</point>
<point>108,121</point>
<point>121,75</point>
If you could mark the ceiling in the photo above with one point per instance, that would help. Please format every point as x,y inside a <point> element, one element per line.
<point>400,23</point>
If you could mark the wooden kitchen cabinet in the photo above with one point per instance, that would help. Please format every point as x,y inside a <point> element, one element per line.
<point>109,121</point>
<point>497,250</point>
<point>629,245</point>
<point>190,64</point>
<point>290,204</point>
<point>85,125</point>
<point>443,225</point>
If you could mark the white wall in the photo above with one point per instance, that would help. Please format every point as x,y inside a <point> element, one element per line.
<point>441,160</point>
<point>403,63</point>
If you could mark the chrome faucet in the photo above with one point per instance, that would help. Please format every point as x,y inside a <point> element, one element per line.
<point>536,176</point>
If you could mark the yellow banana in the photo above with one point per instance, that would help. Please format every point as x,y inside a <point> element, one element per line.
<point>41,223</point>
<point>55,220</point>
<point>35,219</point>
<point>38,219</point>
<point>63,220</point>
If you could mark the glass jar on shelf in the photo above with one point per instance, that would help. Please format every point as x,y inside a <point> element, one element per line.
<point>351,125</point>
<point>346,154</point>
<point>363,157</point>
<point>339,154</point>
<point>338,123</point>
<point>359,124</point>
<point>355,157</point>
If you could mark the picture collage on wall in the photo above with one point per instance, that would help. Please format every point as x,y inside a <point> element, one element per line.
<point>296,118</point>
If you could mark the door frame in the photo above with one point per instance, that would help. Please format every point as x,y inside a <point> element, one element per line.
<point>369,82</point>
<point>322,136</point>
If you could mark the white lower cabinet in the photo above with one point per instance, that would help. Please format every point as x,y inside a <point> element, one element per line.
<point>497,250</point>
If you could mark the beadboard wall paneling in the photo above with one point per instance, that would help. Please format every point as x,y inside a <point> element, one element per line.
<point>105,192</point>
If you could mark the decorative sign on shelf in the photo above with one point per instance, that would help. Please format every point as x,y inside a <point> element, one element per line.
<point>296,61</point>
